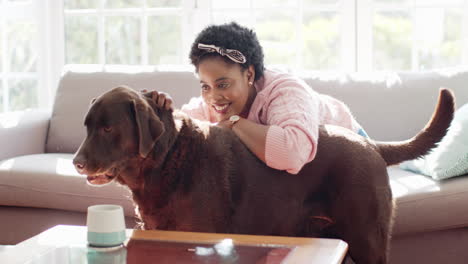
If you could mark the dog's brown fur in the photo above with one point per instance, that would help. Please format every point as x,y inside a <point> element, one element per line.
<point>190,177</point>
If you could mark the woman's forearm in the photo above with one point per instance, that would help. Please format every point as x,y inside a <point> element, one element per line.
<point>253,135</point>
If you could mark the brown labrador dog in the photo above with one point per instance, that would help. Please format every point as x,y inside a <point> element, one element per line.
<point>189,176</point>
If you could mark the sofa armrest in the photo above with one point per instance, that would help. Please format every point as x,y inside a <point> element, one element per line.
<point>23,132</point>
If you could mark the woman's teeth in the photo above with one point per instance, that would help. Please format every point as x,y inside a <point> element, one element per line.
<point>221,108</point>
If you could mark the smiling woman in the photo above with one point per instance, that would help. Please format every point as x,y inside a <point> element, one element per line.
<point>275,114</point>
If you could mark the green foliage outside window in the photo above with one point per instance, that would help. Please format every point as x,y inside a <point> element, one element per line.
<point>23,94</point>
<point>81,39</point>
<point>392,41</point>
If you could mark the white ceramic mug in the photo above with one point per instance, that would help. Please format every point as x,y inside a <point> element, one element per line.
<point>106,225</point>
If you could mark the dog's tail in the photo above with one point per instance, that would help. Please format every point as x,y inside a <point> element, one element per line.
<point>426,139</point>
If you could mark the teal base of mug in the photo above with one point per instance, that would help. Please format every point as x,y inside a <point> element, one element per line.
<point>106,239</point>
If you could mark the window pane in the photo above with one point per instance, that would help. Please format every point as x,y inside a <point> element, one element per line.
<point>81,44</point>
<point>164,36</point>
<point>444,2</point>
<point>321,41</point>
<point>438,36</point>
<point>23,94</point>
<point>231,4</point>
<point>276,32</point>
<point>165,3</point>
<point>81,4</point>
<point>391,1</point>
<point>1,96</point>
<point>1,50</point>
<point>123,40</point>
<point>392,39</point>
<point>274,3</point>
<point>22,46</point>
<point>123,3</point>
<point>242,17</point>
<point>318,2</point>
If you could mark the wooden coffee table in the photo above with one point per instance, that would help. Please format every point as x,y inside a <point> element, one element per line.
<point>63,244</point>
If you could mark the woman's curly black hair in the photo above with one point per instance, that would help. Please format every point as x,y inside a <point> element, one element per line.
<point>230,36</point>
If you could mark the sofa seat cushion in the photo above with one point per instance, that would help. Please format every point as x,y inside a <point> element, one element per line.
<point>424,204</point>
<point>50,181</point>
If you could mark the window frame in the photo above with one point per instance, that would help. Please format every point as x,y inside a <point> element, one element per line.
<point>366,9</point>
<point>46,15</point>
<point>143,13</point>
<point>356,34</point>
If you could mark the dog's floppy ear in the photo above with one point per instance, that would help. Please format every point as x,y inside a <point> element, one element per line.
<point>149,127</point>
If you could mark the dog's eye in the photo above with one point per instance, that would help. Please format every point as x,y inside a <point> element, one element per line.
<point>107,129</point>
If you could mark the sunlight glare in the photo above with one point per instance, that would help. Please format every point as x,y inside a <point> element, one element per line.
<point>10,119</point>
<point>204,251</point>
<point>429,21</point>
<point>7,164</point>
<point>225,247</point>
<point>65,167</point>
<point>60,235</point>
<point>398,190</point>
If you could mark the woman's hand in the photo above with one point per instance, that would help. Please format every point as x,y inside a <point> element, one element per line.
<point>225,124</point>
<point>161,99</point>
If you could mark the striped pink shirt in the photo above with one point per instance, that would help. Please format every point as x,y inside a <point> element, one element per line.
<point>293,111</point>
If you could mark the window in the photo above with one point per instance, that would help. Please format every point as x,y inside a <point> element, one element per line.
<point>124,32</point>
<point>38,37</point>
<point>301,34</point>
<point>348,35</point>
<point>160,32</point>
<point>30,53</point>
<point>18,56</point>
<point>419,34</point>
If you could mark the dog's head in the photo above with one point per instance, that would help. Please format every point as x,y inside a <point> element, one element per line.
<point>122,129</point>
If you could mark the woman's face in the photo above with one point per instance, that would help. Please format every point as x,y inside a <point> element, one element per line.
<point>225,87</point>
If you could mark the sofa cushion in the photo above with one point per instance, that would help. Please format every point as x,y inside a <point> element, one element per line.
<point>50,181</point>
<point>450,157</point>
<point>424,204</point>
<point>76,89</point>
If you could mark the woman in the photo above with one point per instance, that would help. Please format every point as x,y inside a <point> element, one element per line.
<point>276,115</point>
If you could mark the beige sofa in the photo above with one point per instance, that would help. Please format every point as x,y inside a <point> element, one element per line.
<point>39,187</point>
